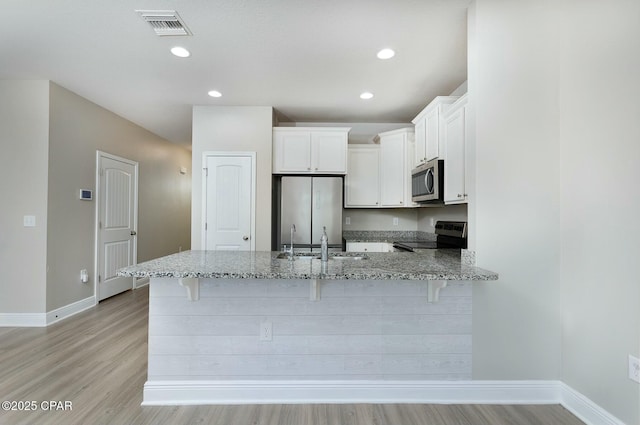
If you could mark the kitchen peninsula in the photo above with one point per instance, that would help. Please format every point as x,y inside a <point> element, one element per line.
<point>257,327</point>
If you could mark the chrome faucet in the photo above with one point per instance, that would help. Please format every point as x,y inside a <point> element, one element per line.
<point>290,251</point>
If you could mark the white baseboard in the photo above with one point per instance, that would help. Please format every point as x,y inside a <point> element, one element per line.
<point>140,282</point>
<point>37,320</point>
<point>159,393</point>
<point>69,310</point>
<point>585,409</point>
<point>291,392</point>
<point>23,320</point>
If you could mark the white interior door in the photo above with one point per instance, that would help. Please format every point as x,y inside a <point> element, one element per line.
<point>229,202</point>
<point>117,222</point>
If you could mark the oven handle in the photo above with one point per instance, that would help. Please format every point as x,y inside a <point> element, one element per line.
<point>403,248</point>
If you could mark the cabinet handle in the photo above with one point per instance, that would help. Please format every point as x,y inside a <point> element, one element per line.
<point>316,168</point>
<point>308,168</point>
<point>400,202</point>
<point>459,195</point>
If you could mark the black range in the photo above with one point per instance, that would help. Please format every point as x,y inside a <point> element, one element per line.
<point>450,234</point>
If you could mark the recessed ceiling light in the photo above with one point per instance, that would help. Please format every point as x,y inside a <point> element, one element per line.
<point>366,95</point>
<point>214,93</point>
<point>386,54</point>
<point>180,52</point>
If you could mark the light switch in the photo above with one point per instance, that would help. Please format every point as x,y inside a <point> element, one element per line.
<point>29,221</point>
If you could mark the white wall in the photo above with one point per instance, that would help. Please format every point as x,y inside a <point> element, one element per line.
<point>449,212</point>
<point>359,133</point>
<point>24,137</point>
<point>600,173</point>
<point>516,320</point>
<point>557,133</point>
<point>380,219</point>
<point>234,128</point>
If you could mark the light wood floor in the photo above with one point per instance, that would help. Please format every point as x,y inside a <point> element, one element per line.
<point>97,360</point>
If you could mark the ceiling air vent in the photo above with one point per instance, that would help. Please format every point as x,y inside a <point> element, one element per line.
<point>165,22</point>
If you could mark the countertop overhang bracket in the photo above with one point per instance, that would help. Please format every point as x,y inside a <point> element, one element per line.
<point>193,287</point>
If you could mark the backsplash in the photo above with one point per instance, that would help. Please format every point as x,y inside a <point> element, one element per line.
<point>386,236</point>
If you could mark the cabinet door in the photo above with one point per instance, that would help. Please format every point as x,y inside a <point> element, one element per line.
<point>454,166</point>
<point>362,180</point>
<point>421,142</point>
<point>392,170</point>
<point>292,152</point>
<point>366,247</point>
<point>432,135</point>
<point>329,152</point>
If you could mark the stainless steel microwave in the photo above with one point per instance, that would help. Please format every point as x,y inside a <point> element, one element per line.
<point>427,182</point>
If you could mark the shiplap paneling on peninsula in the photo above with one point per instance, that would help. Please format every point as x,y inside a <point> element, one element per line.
<point>377,330</point>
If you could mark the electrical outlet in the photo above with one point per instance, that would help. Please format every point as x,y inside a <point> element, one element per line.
<point>395,221</point>
<point>266,331</point>
<point>347,221</point>
<point>634,368</point>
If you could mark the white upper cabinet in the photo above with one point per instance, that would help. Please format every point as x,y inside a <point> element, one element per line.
<point>310,150</point>
<point>362,184</point>
<point>329,151</point>
<point>455,136</point>
<point>396,154</point>
<point>380,174</point>
<point>429,128</point>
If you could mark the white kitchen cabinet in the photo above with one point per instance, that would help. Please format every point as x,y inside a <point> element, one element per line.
<point>310,150</point>
<point>369,247</point>
<point>380,174</point>
<point>429,130</point>
<point>455,134</point>
<point>362,183</point>
<point>396,153</point>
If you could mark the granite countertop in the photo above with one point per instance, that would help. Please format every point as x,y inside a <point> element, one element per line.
<point>433,264</point>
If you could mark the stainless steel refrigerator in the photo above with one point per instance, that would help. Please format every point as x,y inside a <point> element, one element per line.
<point>310,203</point>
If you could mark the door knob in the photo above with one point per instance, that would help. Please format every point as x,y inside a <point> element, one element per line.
<point>133,233</point>
<point>245,238</point>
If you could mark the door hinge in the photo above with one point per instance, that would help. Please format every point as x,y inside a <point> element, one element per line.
<point>99,278</point>
<point>206,172</point>
<point>102,171</point>
<point>205,227</point>
<point>99,225</point>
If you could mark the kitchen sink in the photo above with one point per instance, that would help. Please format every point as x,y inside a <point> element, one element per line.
<point>299,256</point>
<point>348,256</point>
<point>332,256</point>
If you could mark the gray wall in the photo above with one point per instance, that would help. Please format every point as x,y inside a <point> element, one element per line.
<point>78,128</point>
<point>51,136</point>
<point>556,182</point>
<point>24,135</point>
<point>234,129</point>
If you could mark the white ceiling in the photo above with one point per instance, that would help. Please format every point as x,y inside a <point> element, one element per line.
<point>309,59</point>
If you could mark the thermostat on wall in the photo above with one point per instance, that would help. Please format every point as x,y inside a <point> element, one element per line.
<point>86,194</point>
